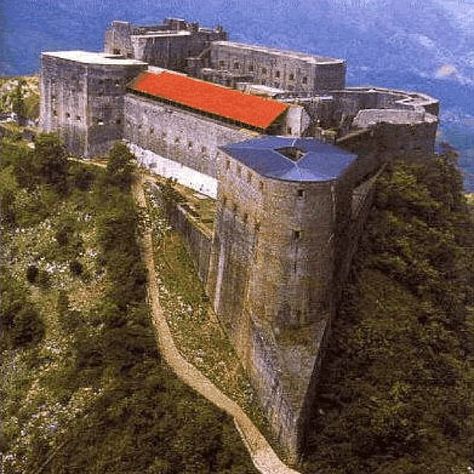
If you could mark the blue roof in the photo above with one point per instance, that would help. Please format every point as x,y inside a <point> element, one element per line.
<point>319,161</point>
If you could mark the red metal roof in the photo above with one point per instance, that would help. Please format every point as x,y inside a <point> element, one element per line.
<point>210,98</point>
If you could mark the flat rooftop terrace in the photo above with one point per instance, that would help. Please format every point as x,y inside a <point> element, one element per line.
<point>161,34</point>
<point>99,58</point>
<point>313,59</point>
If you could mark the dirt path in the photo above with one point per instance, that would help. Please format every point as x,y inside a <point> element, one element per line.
<point>263,456</point>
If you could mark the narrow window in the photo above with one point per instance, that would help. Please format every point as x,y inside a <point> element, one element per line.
<point>277,74</point>
<point>305,80</point>
<point>227,164</point>
<point>296,234</point>
<point>78,118</point>
<point>239,170</point>
<point>152,130</point>
<point>292,77</point>
<point>68,115</point>
<point>236,65</point>
<point>118,122</point>
<point>264,70</point>
<point>249,176</point>
<point>246,217</point>
<point>300,193</point>
<point>203,149</point>
<point>260,185</point>
<point>221,63</point>
<point>55,113</point>
<point>190,144</point>
<point>251,68</point>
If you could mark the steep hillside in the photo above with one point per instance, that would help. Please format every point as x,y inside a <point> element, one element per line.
<point>83,386</point>
<point>396,392</point>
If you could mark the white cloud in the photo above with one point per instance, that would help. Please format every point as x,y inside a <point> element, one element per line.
<point>446,70</point>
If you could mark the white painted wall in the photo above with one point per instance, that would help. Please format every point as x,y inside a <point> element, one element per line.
<point>171,169</point>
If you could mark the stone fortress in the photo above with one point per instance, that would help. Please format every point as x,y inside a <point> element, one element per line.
<point>289,153</point>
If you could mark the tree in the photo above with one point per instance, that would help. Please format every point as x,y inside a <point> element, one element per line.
<point>20,322</point>
<point>28,328</point>
<point>50,161</point>
<point>120,166</point>
<point>32,273</point>
<point>76,267</point>
<point>395,391</point>
<point>18,101</point>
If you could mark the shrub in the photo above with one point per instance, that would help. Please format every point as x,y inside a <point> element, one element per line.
<point>32,273</point>
<point>43,279</point>
<point>62,235</point>
<point>394,394</point>
<point>28,327</point>
<point>76,267</point>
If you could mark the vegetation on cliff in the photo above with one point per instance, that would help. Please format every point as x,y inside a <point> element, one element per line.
<point>21,96</point>
<point>396,388</point>
<point>83,385</point>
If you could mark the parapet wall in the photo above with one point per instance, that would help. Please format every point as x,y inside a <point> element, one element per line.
<point>197,241</point>
<point>280,69</point>
<point>339,106</point>
<point>176,134</point>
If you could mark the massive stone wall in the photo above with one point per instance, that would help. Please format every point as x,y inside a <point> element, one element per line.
<point>183,136</point>
<point>167,45</point>
<point>271,281</point>
<point>280,69</point>
<point>281,250</point>
<point>63,104</point>
<point>84,102</point>
<point>197,241</point>
<point>118,39</point>
<point>334,108</point>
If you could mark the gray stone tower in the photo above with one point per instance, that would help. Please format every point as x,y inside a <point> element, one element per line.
<point>82,96</point>
<point>272,265</point>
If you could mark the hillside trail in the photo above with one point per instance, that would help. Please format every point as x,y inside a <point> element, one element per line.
<point>263,456</point>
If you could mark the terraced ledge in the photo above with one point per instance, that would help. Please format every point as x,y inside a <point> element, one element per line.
<point>263,456</point>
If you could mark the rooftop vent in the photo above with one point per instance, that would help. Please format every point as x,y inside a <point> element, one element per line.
<point>291,152</point>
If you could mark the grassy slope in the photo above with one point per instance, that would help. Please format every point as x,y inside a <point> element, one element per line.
<point>93,394</point>
<point>396,392</point>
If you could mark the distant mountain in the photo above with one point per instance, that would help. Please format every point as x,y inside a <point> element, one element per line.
<point>425,45</point>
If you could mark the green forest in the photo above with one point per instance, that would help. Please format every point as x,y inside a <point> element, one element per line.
<point>84,388</point>
<point>396,391</point>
